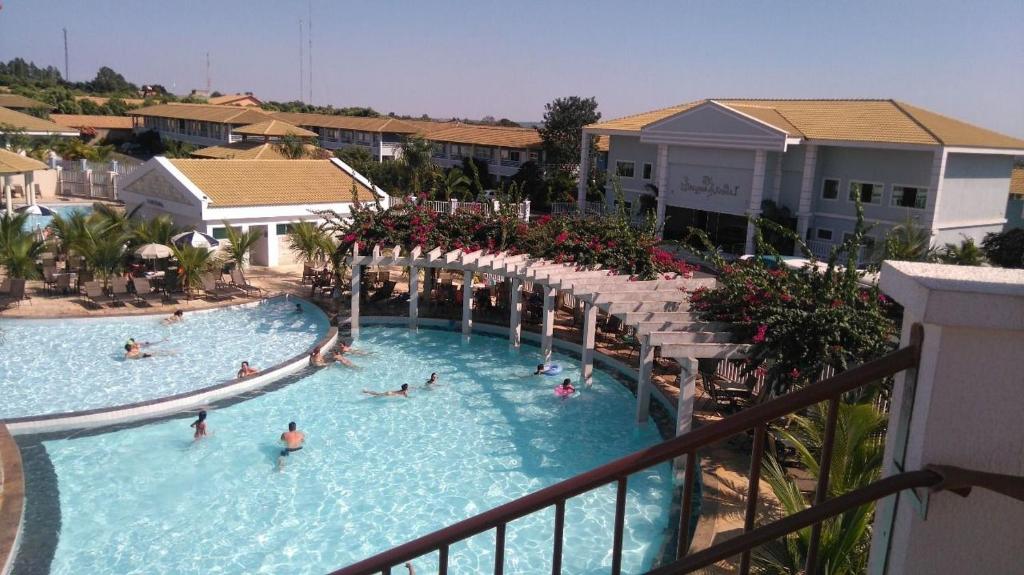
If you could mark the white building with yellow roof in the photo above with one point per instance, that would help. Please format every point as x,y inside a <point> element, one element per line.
<point>268,195</point>
<point>711,163</point>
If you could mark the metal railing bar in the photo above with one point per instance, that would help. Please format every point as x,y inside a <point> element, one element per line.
<point>620,525</point>
<point>753,489</point>
<point>442,560</point>
<point>846,381</point>
<point>797,521</point>
<point>499,550</point>
<point>556,554</point>
<point>683,544</point>
<point>821,491</point>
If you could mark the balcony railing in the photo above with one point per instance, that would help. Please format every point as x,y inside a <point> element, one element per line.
<point>822,249</point>
<point>758,419</point>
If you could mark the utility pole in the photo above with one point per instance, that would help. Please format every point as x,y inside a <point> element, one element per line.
<point>67,74</point>
<point>207,74</point>
<point>302,72</point>
<point>310,52</point>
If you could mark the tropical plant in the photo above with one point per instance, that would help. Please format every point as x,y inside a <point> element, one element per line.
<point>240,243</point>
<point>907,242</point>
<point>451,184</point>
<point>66,231</point>
<point>291,147</point>
<point>965,254</point>
<point>103,248</point>
<point>310,243</point>
<point>19,249</point>
<point>114,219</point>
<point>1005,249</point>
<point>416,156</point>
<point>157,230</point>
<point>856,461</point>
<point>193,262</point>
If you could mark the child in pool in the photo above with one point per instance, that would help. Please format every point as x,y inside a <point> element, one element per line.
<point>200,425</point>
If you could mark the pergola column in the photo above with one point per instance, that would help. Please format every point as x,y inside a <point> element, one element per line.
<point>515,320</point>
<point>587,353</point>
<point>643,384</point>
<point>661,179</point>
<point>584,172</point>
<point>414,296</point>
<point>467,302</point>
<point>7,196</point>
<point>687,394</point>
<point>548,323</point>
<point>30,192</point>
<point>357,284</point>
<point>756,195</point>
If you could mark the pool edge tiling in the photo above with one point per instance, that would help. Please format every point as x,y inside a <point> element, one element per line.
<point>166,405</point>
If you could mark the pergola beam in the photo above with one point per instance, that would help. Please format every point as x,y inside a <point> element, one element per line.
<point>641,306</point>
<point>646,327</point>
<point>665,338</point>
<point>706,350</point>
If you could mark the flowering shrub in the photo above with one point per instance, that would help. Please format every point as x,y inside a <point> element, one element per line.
<point>799,320</point>
<point>609,242</point>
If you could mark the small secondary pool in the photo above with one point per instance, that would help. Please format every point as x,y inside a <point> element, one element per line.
<point>38,222</point>
<point>375,472</point>
<point>56,366</point>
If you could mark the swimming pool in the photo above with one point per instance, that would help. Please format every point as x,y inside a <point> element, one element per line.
<point>56,366</point>
<point>38,222</point>
<point>375,472</point>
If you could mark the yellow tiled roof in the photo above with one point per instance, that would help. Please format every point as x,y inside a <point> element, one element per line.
<point>247,183</point>
<point>1017,180</point>
<point>31,123</point>
<point>87,121</point>
<point>883,121</point>
<point>253,150</point>
<point>231,99</point>
<point>17,102</point>
<point>358,123</point>
<point>487,136</point>
<point>204,112</point>
<point>274,128</point>
<point>11,163</point>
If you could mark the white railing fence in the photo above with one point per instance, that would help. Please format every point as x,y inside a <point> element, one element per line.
<point>452,206</point>
<point>87,179</point>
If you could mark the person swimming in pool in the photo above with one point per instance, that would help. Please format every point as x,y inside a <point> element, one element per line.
<point>432,381</point>
<point>567,387</point>
<point>404,392</point>
<point>200,425</point>
<point>246,371</point>
<point>132,350</point>
<point>298,308</point>
<point>177,317</point>
<point>316,359</point>
<point>292,440</point>
<point>347,348</point>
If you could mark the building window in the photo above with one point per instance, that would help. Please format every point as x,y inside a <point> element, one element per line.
<point>624,169</point>
<point>909,197</point>
<point>830,189</point>
<point>648,169</point>
<point>868,193</point>
<point>332,135</point>
<point>220,233</point>
<point>284,229</point>
<point>824,234</point>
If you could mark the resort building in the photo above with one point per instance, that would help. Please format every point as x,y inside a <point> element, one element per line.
<point>246,99</point>
<point>269,195</point>
<point>199,124</point>
<point>382,137</point>
<point>256,150</point>
<point>97,128</point>
<point>711,163</point>
<point>27,125</point>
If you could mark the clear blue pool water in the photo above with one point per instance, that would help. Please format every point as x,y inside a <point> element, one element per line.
<point>65,210</point>
<point>375,472</point>
<point>55,366</point>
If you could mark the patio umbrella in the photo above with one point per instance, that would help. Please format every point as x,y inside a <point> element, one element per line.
<point>196,239</point>
<point>153,251</point>
<point>35,210</point>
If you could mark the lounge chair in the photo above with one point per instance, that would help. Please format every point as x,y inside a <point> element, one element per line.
<point>211,289</point>
<point>119,289</point>
<point>15,295</point>
<point>94,291</point>
<point>63,284</point>
<point>238,280</point>
<point>144,291</point>
<point>5,287</point>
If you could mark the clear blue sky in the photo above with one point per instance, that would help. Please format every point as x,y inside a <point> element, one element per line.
<point>506,59</point>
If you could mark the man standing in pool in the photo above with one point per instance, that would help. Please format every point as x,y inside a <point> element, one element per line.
<point>293,440</point>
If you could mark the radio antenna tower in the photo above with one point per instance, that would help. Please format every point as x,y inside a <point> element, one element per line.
<point>302,72</point>
<point>67,74</point>
<point>207,72</point>
<point>311,52</point>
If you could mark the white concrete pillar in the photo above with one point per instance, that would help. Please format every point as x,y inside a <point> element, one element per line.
<point>467,302</point>
<point>414,296</point>
<point>584,171</point>
<point>8,202</point>
<point>803,212</point>
<point>273,247</point>
<point>931,208</point>
<point>643,383</point>
<point>587,353</point>
<point>777,179</point>
<point>661,179</point>
<point>687,395</point>
<point>515,320</point>
<point>548,323</point>
<point>357,276</point>
<point>30,189</point>
<point>963,409</point>
<point>756,195</point>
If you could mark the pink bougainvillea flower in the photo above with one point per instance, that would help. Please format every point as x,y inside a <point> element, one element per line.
<point>795,373</point>
<point>762,330</point>
<point>349,238</point>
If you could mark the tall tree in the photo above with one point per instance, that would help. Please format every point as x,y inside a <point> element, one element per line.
<point>562,132</point>
<point>416,155</point>
<point>109,81</point>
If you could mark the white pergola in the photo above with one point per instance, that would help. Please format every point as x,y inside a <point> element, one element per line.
<point>656,309</point>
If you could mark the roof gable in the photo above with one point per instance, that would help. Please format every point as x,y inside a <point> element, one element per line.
<point>715,125</point>
<point>32,124</point>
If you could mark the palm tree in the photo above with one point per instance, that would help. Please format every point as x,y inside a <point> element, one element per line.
<point>966,254</point>
<point>310,243</point>
<point>239,243</point>
<point>19,249</point>
<point>158,230</point>
<point>193,263</point>
<point>291,147</point>
<point>907,242</point>
<point>452,184</point>
<point>66,231</point>
<point>856,461</point>
<point>114,219</point>
<point>416,155</point>
<point>103,248</point>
